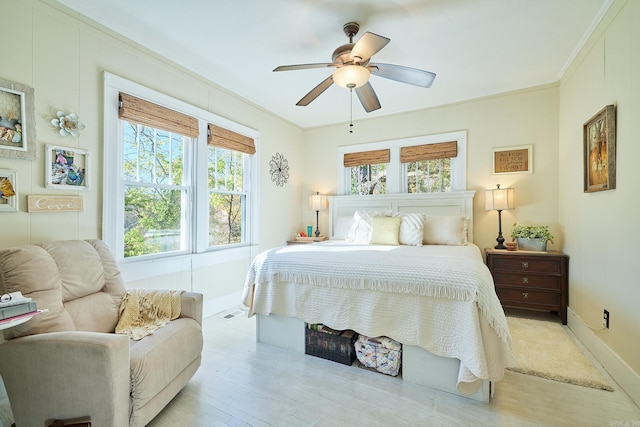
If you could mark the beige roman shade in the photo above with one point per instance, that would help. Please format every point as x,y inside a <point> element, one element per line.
<point>417,153</point>
<point>373,157</point>
<point>224,138</point>
<point>147,113</point>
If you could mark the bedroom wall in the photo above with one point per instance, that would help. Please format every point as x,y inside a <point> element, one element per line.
<point>63,57</point>
<point>601,231</point>
<point>518,118</point>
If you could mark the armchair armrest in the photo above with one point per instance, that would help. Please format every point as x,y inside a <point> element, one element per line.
<point>191,306</point>
<point>62,375</point>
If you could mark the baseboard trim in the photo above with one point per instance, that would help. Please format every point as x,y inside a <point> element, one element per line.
<point>617,368</point>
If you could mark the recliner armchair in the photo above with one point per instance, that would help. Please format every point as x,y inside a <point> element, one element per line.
<point>68,362</point>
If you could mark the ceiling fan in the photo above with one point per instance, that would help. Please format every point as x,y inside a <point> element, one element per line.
<point>353,69</point>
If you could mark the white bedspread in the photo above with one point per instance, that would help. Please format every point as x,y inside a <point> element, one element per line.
<point>440,298</point>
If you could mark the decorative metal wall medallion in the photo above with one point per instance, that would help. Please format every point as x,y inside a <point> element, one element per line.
<point>279,169</point>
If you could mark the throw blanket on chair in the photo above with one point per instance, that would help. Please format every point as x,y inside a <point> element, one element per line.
<point>142,311</point>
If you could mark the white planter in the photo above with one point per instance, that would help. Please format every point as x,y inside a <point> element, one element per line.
<point>532,244</point>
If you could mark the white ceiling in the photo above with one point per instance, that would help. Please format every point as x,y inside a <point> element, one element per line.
<point>476,47</point>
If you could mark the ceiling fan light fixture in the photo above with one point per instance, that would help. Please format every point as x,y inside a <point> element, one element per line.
<point>351,76</point>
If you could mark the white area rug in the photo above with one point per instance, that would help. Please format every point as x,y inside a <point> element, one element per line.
<point>543,348</point>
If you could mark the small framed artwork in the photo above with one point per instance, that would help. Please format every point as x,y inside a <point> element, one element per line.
<point>17,121</point>
<point>8,191</point>
<point>67,168</point>
<point>516,159</point>
<point>599,135</point>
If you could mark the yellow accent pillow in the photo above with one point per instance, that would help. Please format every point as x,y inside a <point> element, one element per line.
<point>385,230</point>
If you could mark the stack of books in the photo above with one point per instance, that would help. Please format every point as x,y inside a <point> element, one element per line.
<point>15,305</point>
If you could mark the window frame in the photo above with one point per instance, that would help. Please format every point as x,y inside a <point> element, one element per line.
<point>397,171</point>
<point>197,208</point>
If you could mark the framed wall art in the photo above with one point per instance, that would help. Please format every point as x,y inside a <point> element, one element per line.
<point>8,191</point>
<point>599,136</point>
<point>17,121</point>
<point>66,168</point>
<point>517,159</point>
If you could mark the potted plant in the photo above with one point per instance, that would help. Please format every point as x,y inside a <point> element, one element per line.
<point>531,237</point>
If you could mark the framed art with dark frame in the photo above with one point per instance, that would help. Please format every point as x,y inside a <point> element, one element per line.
<point>8,191</point>
<point>67,168</point>
<point>599,137</point>
<point>17,121</point>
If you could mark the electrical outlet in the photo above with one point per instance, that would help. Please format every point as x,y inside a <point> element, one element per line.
<point>605,319</point>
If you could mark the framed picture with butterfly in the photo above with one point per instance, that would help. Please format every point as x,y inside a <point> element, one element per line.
<point>8,191</point>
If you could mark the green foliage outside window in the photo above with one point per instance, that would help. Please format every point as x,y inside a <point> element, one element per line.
<point>227,198</point>
<point>369,179</point>
<point>429,176</point>
<point>154,191</point>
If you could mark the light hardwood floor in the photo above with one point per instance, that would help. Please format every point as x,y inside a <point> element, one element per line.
<point>244,383</point>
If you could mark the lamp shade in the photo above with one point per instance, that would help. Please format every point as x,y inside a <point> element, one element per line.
<point>351,76</point>
<point>499,199</point>
<point>318,202</point>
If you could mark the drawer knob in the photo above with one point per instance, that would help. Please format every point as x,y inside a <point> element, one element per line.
<point>525,280</point>
<point>525,264</point>
<point>525,295</point>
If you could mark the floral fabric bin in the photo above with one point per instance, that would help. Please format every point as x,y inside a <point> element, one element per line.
<point>381,353</point>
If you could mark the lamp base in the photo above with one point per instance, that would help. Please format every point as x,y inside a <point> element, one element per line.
<point>500,239</point>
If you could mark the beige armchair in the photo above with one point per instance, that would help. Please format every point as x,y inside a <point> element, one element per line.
<point>68,362</point>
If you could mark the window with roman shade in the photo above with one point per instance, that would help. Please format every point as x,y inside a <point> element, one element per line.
<point>428,166</point>
<point>425,163</point>
<point>228,159</point>
<point>368,171</point>
<point>178,186</point>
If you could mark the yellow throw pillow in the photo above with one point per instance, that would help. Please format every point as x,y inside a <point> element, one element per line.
<point>385,230</point>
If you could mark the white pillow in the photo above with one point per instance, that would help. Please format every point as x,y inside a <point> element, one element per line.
<point>411,229</point>
<point>341,227</point>
<point>445,230</point>
<point>360,231</point>
<point>385,230</point>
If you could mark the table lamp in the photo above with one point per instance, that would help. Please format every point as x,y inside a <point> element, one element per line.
<point>499,199</point>
<point>317,202</point>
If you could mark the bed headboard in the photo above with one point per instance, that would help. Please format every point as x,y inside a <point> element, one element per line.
<point>453,203</point>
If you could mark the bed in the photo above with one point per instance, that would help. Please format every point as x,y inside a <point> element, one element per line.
<point>438,300</point>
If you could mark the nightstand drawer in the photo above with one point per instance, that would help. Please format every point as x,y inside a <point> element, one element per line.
<point>523,264</point>
<point>509,296</point>
<point>534,280</point>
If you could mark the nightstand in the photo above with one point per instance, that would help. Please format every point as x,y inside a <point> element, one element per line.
<point>306,240</point>
<point>528,279</point>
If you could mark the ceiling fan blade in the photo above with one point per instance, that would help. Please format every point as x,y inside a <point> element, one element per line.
<point>316,91</point>
<point>303,66</point>
<point>402,74</point>
<point>368,97</point>
<point>368,45</point>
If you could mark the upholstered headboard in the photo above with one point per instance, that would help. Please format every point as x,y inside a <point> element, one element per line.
<point>453,203</point>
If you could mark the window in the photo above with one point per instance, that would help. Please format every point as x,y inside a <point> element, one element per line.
<point>427,167</point>
<point>229,154</point>
<point>175,188</point>
<point>367,171</point>
<point>429,176</point>
<point>157,190</point>
<point>226,197</point>
<point>432,163</point>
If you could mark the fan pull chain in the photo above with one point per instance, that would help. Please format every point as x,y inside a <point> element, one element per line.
<point>351,111</point>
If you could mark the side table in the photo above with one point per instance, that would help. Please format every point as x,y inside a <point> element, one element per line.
<point>529,279</point>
